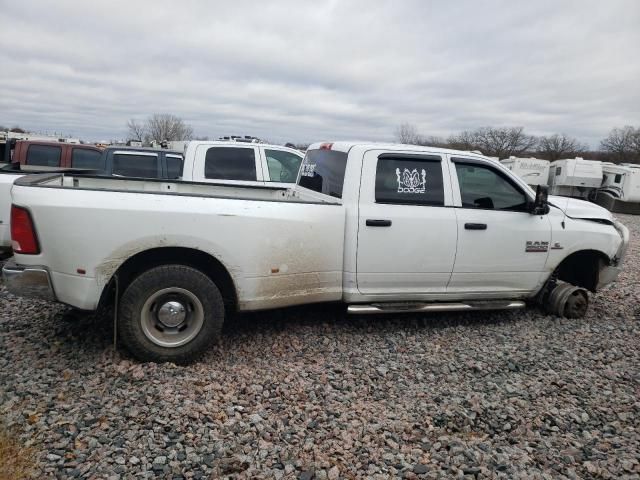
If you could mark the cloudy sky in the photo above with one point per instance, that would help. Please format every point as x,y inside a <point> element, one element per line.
<point>319,70</point>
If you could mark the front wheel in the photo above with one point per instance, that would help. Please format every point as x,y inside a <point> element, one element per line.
<point>171,313</point>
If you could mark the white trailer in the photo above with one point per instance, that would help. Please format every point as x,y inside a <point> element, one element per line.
<point>620,191</point>
<point>534,171</point>
<point>575,177</point>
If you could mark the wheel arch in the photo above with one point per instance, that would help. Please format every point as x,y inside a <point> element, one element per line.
<point>582,268</point>
<point>143,261</point>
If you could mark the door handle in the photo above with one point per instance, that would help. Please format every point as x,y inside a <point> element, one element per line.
<point>378,223</point>
<point>475,226</point>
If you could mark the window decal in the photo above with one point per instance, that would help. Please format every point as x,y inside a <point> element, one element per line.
<point>308,169</point>
<point>409,181</point>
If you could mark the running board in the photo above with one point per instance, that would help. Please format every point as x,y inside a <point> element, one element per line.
<point>434,307</point>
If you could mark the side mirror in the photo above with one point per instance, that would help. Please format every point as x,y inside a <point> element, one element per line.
<point>540,205</point>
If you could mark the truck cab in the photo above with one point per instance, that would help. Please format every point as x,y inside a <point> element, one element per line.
<point>139,162</point>
<point>238,163</point>
<point>55,154</point>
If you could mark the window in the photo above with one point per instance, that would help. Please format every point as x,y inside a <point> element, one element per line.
<point>127,165</point>
<point>558,171</point>
<point>283,166</point>
<point>174,166</point>
<point>85,158</point>
<point>484,187</point>
<point>618,178</point>
<point>230,163</point>
<point>322,170</point>
<point>44,155</point>
<point>407,180</point>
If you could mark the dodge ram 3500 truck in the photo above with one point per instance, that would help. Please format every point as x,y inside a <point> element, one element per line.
<point>382,228</point>
<point>220,162</point>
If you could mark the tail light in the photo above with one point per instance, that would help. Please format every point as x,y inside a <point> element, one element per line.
<point>23,234</point>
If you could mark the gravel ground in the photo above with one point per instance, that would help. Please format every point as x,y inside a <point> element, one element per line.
<point>311,393</point>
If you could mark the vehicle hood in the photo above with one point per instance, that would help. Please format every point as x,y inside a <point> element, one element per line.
<point>575,208</point>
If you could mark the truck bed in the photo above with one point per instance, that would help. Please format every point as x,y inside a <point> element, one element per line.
<point>173,187</point>
<point>280,247</point>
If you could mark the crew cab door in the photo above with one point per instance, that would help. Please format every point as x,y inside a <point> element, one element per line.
<point>501,246</point>
<point>279,165</point>
<point>406,227</point>
<point>232,164</point>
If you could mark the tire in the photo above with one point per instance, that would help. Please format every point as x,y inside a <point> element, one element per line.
<point>171,313</point>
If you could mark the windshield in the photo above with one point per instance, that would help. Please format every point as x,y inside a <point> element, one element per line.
<point>323,170</point>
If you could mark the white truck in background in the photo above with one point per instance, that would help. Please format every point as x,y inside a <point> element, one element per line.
<point>382,228</point>
<point>220,162</point>
<point>534,171</point>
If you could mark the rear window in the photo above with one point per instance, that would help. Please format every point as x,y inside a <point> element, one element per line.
<point>230,163</point>
<point>174,166</point>
<point>44,155</point>
<point>85,158</point>
<point>323,171</point>
<point>145,166</point>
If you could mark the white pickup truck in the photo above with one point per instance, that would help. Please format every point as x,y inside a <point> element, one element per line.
<point>221,162</point>
<point>382,228</point>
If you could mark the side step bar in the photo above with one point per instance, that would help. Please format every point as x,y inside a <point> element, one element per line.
<point>434,307</point>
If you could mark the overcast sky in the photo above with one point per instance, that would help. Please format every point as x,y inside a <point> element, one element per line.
<point>321,70</point>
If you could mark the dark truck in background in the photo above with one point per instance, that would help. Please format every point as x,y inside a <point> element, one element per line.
<point>118,161</point>
<point>51,154</point>
<point>140,162</point>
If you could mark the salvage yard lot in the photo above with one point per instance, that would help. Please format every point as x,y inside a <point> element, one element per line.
<point>311,392</point>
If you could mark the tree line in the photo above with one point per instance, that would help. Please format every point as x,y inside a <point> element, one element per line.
<point>622,145</point>
<point>159,127</point>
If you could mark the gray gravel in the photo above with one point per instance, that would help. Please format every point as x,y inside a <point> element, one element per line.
<point>311,393</point>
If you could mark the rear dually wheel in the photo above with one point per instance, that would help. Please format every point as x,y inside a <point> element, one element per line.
<point>171,313</point>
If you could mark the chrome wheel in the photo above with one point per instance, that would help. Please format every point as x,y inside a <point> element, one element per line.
<point>172,317</point>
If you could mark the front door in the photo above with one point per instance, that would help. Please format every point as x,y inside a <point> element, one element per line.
<point>501,246</point>
<point>406,227</point>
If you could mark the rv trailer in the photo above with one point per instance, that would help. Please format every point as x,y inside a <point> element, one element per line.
<point>575,177</point>
<point>532,170</point>
<point>620,191</point>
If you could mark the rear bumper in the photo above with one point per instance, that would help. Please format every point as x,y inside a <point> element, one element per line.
<point>31,281</point>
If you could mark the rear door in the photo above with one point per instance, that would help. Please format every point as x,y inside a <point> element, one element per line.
<point>235,165</point>
<point>501,246</point>
<point>136,164</point>
<point>87,158</point>
<point>174,166</point>
<point>407,227</point>
<point>280,166</point>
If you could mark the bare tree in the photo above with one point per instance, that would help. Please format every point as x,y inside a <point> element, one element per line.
<point>136,130</point>
<point>558,146</point>
<point>433,141</point>
<point>504,142</point>
<point>623,143</point>
<point>408,134</point>
<point>465,140</point>
<point>495,142</point>
<point>164,126</point>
